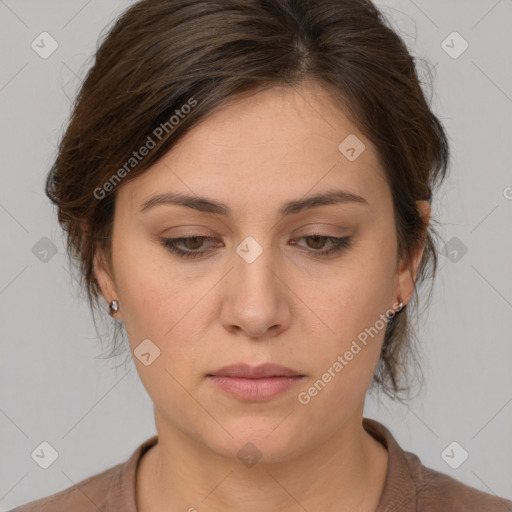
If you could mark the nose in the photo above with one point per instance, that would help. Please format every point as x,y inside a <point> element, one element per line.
<point>256,298</point>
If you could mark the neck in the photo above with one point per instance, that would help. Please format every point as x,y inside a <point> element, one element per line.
<point>345,473</point>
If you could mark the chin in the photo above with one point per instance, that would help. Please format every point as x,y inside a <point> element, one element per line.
<point>261,440</point>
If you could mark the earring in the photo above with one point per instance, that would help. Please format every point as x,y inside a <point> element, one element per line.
<point>391,317</point>
<point>114,307</point>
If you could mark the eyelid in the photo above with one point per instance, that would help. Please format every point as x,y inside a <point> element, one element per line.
<point>339,245</point>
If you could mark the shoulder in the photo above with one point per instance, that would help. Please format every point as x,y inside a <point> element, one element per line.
<point>88,495</point>
<point>411,486</point>
<point>437,491</point>
<point>108,491</point>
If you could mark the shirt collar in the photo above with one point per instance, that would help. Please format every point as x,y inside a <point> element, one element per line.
<point>398,494</point>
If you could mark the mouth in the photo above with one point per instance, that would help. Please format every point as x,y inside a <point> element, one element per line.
<point>255,384</point>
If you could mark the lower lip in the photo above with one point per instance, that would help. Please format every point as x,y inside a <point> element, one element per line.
<point>255,390</point>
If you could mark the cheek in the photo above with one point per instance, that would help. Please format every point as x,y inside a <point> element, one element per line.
<point>174,311</point>
<point>352,307</point>
<point>345,364</point>
<point>352,297</point>
<point>156,302</point>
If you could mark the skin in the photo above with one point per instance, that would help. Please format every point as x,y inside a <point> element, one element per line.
<point>288,306</point>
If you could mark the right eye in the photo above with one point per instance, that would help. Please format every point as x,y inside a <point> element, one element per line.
<point>194,243</point>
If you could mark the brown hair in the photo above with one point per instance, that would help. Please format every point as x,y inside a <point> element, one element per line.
<point>161,53</point>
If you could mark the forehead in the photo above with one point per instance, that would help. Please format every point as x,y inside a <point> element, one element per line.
<point>265,148</point>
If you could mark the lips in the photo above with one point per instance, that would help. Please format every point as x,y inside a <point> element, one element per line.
<point>255,383</point>
<point>246,371</point>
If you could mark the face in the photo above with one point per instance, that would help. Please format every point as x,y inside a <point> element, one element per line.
<point>260,279</point>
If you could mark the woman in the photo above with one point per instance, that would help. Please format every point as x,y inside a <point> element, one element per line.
<point>247,184</point>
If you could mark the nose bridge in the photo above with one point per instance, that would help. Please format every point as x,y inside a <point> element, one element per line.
<point>253,269</point>
<point>256,302</point>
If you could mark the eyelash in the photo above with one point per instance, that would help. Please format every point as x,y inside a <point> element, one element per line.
<point>339,245</point>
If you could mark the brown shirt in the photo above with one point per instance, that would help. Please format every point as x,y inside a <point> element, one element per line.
<point>409,486</point>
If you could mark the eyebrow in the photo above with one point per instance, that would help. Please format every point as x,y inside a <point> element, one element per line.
<point>206,205</point>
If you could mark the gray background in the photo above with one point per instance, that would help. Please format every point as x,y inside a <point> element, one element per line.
<point>52,388</point>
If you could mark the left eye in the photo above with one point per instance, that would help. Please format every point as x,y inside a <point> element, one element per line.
<point>195,243</point>
<point>337,244</point>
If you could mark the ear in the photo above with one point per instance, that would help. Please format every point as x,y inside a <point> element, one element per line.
<point>408,271</point>
<point>104,276</point>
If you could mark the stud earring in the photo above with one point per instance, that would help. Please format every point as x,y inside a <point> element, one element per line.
<point>391,317</point>
<point>113,307</point>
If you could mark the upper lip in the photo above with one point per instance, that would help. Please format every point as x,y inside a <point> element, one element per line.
<point>255,372</point>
